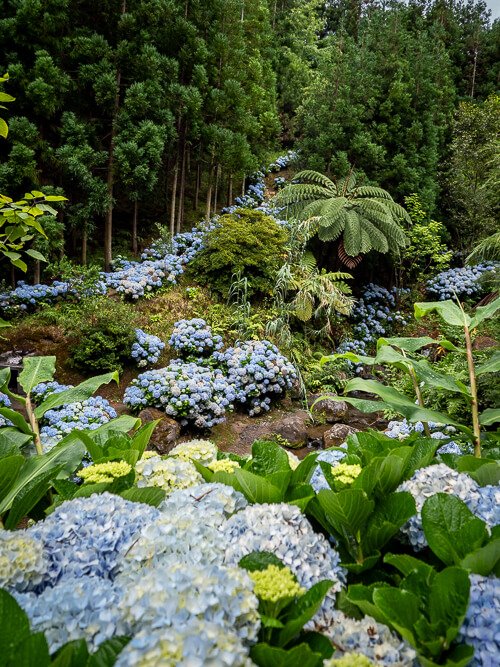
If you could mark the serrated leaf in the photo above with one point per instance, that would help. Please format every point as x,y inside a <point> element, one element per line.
<point>401,609</point>
<point>14,624</point>
<point>265,655</point>
<point>301,612</point>
<point>451,529</point>
<point>449,598</point>
<point>346,510</point>
<point>257,489</point>
<point>73,654</point>
<point>148,495</point>
<point>107,653</point>
<point>260,560</point>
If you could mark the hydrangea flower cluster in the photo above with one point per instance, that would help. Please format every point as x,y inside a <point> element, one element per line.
<point>24,297</point>
<point>402,429</point>
<point>168,474</point>
<point>138,278</point>
<point>481,627</point>
<point>441,479</point>
<point>275,583</point>
<point>45,389</point>
<point>203,451</point>
<point>107,472</point>
<point>88,414</point>
<point>184,390</point>
<point>258,372</point>
<point>345,473</point>
<point>331,456</point>
<point>459,282</point>
<point>198,642</point>
<point>193,339</point>
<point>349,660</point>
<point>146,348</point>
<point>224,465</point>
<point>23,562</point>
<point>284,531</point>
<point>368,637</point>
<point>283,161</point>
<point>76,608</point>
<point>4,403</point>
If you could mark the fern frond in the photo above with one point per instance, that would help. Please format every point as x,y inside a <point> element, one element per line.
<point>332,210</point>
<point>352,234</point>
<point>334,230</point>
<point>487,249</point>
<point>315,177</point>
<point>371,191</point>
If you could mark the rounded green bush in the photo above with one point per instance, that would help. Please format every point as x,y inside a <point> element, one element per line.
<point>247,243</point>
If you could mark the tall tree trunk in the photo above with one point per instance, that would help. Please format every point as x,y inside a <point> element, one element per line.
<point>243,187</point>
<point>197,187</point>
<point>108,224</point>
<point>180,214</point>
<point>209,194</point>
<point>134,227</point>
<point>230,190</point>
<point>216,190</point>
<point>84,246</point>
<point>36,272</point>
<point>173,199</point>
<point>12,276</point>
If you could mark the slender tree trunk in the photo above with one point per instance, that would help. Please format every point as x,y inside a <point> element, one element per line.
<point>12,276</point>
<point>209,194</point>
<point>197,187</point>
<point>108,224</point>
<point>243,187</point>
<point>84,246</point>
<point>134,227</point>
<point>216,190</point>
<point>180,214</point>
<point>36,272</point>
<point>474,70</point>
<point>173,199</point>
<point>230,191</point>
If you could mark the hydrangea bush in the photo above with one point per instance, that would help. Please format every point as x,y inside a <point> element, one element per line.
<point>146,348</point>
<point>459,282</point>
<point>193,339</point>
<point>258,372</point>
<point>193,394</point>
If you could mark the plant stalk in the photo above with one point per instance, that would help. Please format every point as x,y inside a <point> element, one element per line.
<point>418,394</point>
<point>34,425</point>
<point>473,390</point>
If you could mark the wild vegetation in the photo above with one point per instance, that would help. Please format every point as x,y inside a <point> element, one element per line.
<point>249,360</point>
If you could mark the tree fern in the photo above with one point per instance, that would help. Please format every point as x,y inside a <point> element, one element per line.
<point>487,249</point>
<point>362,218</point>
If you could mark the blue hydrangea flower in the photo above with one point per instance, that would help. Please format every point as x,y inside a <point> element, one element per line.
<point>481,627</point>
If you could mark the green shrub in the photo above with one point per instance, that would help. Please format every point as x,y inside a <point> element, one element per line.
<point>103,335</point>
<point>246,243</point>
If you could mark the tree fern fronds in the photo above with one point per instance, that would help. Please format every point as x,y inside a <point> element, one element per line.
<point>487,249</point>
<point>371,191</point>
<point>315,177</point>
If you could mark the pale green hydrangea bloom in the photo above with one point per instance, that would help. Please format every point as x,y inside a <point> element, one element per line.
<point>223,465</point>
<point>202,451</point>
<point>349,660</point>
<point>275,583</point>
<point>168,474</point>
<point>345,473</point>
<point>107,472</point>
<point>22,561</point>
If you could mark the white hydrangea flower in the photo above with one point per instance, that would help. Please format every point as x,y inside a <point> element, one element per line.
<point>205,498</point>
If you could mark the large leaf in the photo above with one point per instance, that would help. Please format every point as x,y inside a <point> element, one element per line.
<point>14,624</point>
<point>484,312</point>
<point>123,423</point>
<point>388,517</point>
<point>490,366</point>
<point>73,654</point>
<point>148,495</point>
<point>260,560</point>
<point>362,597</point>
<point>346,510</point>
<point>36,370</point>
<point>449,598</point>
<point>32,652</point>
<point>66,454</point>
<point>17,419</point>
<point>381,475</point>
<point>489,416</point>
<point>11,437</point>
<point>447,310</point>
<point>9,470</point>
<point>433,378</point>
<point>257,489</point>
<point>80,393</point>
<point>451,529</point>
<point>303,610</point>
<point>393,399</point>
<point>143,436</point>
<point>408,344</point>
<point>29,495</point>
<point>484,560</point>
<point>267,458</point>
<point>108,652</point>
<point>401,608</point>
<point>302,655</point>
<point>304,470</point>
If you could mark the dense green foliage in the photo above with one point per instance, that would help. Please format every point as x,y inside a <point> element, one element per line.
<point>247,243</point>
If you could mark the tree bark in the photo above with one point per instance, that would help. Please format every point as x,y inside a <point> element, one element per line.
<point>197,187</point>
<point>230,191</point>
<point>180,213</point>
<point>134,227</point>
<point>36,272</point>
<point>173,200</point>
<point>216,190</point>
<point>84,246</point>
